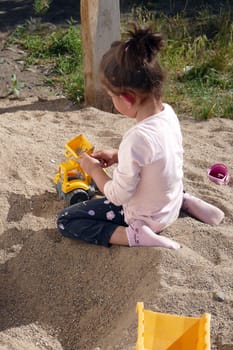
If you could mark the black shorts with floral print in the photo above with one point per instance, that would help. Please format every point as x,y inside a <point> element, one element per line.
<point>92,221</point>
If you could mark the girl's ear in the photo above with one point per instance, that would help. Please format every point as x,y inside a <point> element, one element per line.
<point>128,98</point>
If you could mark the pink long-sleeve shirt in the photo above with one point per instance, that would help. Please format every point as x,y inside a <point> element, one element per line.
<point>148,179</point>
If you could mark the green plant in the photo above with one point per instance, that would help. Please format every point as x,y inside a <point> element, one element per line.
<point>16,86</point>
<point>40,7</point>
<point>142,14</point>
<point>74,87</point>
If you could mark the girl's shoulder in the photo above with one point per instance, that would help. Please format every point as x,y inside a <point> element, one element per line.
<point>137,145</point>
<point>140,137</point>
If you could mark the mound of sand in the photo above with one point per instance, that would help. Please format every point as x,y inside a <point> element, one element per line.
<point>57,293</point>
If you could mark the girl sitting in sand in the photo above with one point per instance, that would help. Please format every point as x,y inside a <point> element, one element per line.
<point>146,193</point>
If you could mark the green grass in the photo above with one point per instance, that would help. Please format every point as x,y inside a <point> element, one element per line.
<point>198,58</point>
<point>61,49</point>
<point>202,68</point>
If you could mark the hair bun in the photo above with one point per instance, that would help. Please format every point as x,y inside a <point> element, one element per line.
<point>144,43</point>
<point>131,65</point>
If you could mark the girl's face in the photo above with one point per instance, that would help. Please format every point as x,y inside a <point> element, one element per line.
<point>123,106</point>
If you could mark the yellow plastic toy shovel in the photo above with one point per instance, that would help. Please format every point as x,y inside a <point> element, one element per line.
<point>158,331</point>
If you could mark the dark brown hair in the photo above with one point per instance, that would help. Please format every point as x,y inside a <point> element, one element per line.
<point>131,65</point>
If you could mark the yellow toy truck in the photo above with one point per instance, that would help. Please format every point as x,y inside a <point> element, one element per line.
<point>72,184</point>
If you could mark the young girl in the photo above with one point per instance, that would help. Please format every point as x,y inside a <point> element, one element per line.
<point>145,194</point>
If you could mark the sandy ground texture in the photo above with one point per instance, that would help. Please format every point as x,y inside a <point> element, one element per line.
<point>61,294</point>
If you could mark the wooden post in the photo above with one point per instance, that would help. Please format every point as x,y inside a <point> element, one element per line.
<point>100,25</point>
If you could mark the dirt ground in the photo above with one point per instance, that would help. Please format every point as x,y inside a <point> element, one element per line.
<point>59,294</point>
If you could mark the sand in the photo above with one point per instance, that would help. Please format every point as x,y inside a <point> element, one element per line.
<point>57,293</point>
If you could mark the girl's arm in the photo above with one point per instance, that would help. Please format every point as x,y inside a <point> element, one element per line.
<point>134,153</point>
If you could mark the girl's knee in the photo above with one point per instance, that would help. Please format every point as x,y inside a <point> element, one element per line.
<point>60,226</point>
<point>62,222</point>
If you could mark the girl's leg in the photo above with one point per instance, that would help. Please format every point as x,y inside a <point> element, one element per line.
<point>202,210</point>
<point>119,236</point>
<point>93,221</point>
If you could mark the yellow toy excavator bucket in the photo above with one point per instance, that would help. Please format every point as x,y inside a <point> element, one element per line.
<point>158,331</point>
<point>78,145</point>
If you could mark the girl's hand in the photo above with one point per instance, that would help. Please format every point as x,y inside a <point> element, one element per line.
<point>106,158</point>
<point>88,164</point>
<point>92,167</point>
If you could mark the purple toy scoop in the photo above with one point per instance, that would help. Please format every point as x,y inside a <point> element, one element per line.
<point>218,173</point>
